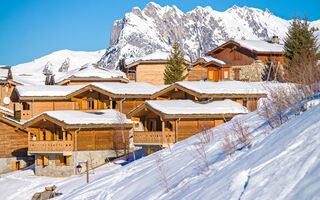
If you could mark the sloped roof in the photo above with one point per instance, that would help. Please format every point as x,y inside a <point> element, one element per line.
<point>88,71</point>
<point>257,46</point>
<point>188,107</point>
<point>156,56</point>
<point>46,90</point>
<point>73,117</point>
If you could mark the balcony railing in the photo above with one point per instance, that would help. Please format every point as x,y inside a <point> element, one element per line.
<point>153,137</point>
<point>47,146</point>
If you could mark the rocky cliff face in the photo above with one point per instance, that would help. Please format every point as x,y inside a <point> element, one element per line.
<point>142,32</point>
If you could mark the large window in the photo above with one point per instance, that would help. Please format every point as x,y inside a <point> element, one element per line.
<point>90,105</point>
<point>226,75</point>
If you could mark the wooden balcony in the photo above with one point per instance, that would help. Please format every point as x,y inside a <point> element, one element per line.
<point>49,146</point>
<point>153,138</point>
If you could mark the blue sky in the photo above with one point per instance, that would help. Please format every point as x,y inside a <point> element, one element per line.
<point>30,29</point>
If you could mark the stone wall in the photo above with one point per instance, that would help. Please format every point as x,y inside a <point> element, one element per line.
<point>6,163</point>
<point>253,72</point>
<point>249,73</point>
<point>95,158</point>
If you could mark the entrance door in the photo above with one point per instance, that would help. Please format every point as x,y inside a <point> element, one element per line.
<point>215,76</point>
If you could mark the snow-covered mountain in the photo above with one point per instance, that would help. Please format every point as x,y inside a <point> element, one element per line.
<point>58,59</point>
<point>142,32</point>
<point>58,63</point>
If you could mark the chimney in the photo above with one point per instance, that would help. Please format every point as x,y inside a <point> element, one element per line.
<point>275,39</point>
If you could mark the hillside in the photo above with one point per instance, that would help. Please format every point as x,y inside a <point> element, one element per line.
<point>282,163</point>
<point>144,31</point>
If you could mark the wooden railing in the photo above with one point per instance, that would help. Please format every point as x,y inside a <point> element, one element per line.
<point>50,146</point>
<point>153,137</point>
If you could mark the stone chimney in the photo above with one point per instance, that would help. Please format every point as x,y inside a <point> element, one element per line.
<point>275,39</point>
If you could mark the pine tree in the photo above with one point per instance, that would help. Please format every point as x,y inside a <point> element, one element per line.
<point>300,48</point>
<point>175,68</point>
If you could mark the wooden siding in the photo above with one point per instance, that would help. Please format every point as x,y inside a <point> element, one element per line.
<point>154,137</point>
<point>198,73</point>
<point>6,91</point>
<point>101,139</point>
<point>188,128</point>
<point>13,141</point>
<point>236,55</point>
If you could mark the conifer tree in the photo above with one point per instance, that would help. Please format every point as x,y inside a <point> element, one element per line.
<point>175,68</point>
<point>300,48</point>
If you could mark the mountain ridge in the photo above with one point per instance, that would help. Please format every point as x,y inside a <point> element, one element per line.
<point>144,31</point>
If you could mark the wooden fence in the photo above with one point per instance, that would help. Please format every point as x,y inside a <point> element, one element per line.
<point>153,137</point>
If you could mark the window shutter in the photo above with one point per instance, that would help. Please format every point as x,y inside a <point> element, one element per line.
<point>58,162</point>
<point>45,160</point>
<point>68,160</point>
<point>39,160</point>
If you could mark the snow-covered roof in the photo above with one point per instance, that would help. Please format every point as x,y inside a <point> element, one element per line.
<point>46,90</point>
<point>131,88</point>
<point>215,60</point>
<point>4,73</point>
<point>224,87</point>
<point>91,72</point>
<point>156,56</point>
<point>261,45</point>
<point>188,107</point>
<point>73,117</point>
<point>6,110</point>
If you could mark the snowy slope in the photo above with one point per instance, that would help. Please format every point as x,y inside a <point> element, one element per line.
<point>155,28</point>
<point>283,164</point>
<point>31,73</point>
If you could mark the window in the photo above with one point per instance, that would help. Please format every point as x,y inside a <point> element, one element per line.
<point>42,160</point>
<point>245,101</point>
<point>114,104</point>
<point>44,135</point>
<point>236,74</point>
<point>90,105</point>
<point>226,75</point>
<point>25,106</point>
<point>169,125</point>
<point>62,160</point>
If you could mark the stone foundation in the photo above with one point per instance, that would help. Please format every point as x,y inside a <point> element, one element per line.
<point>6,163</point>
<point>95,158</point>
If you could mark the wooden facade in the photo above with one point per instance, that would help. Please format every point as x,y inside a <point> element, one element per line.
<point>13,140</point>
<point>84,81</point>
<point>231,52</point>
<point>177,91</point>
<point>162,130</point>
<point>57,145</point>
<point>148,71</point>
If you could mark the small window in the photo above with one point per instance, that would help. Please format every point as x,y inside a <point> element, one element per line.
<point>245,102</point>
<point>114,104</point>
<point>44,135</point>
<point>62,160</point>
<point>25,106</point>
<point>226,75</point>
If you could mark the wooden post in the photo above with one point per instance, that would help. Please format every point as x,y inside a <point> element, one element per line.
<point>87,164</point>
<point>29,136</point>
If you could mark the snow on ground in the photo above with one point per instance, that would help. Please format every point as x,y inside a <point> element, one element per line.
<point>283,164</point>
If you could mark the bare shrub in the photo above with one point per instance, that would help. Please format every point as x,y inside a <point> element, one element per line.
<point>163,173</point>
<point>91,162</point>
<point>228,145</point>
<point>203,138</point>
<point>240,131</point>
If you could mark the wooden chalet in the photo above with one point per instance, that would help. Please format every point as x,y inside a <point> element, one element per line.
<point>238,53</point>
<point>245,93</point>
<point>13,145</point>
<point>149,68</point>
<point>163,122</point>
<point>213,69</point>
<point>30,101</point>
<point>60,140</point>
<point>90,73</point>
